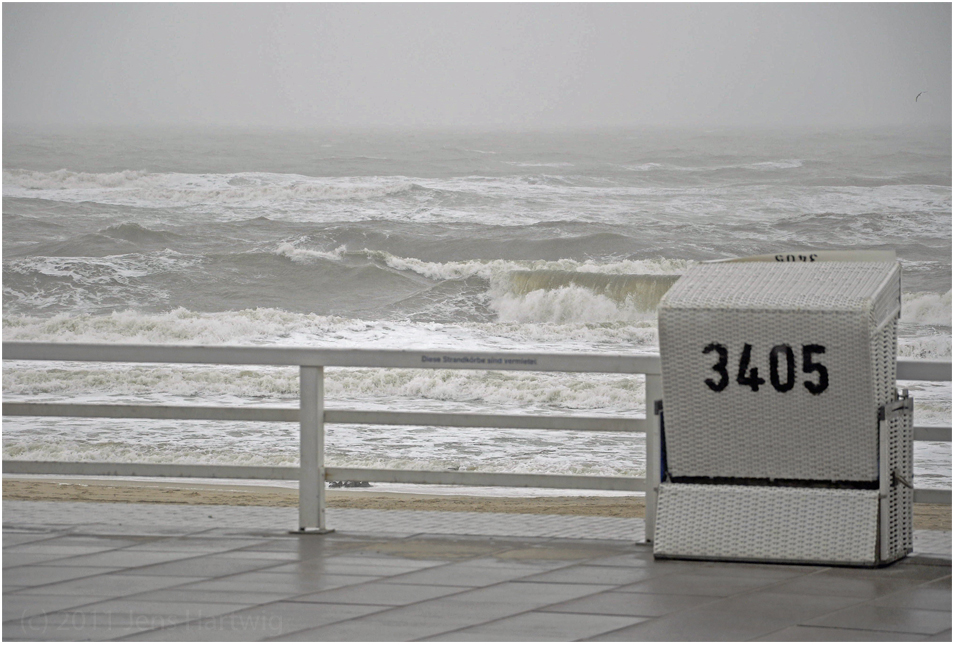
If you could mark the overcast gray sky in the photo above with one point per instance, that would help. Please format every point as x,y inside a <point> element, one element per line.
<point>484,65</point>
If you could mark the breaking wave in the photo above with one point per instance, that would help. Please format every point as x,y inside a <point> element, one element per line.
<point>927,308</point>
<point>566,305</point>
<point>929,347</point>
<point>488,269</point>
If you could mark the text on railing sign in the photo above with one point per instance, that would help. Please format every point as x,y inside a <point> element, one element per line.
<point>478,360</point>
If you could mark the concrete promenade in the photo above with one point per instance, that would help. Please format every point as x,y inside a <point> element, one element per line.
<point>88,571</point>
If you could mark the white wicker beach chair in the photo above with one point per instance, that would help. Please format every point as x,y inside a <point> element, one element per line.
<point>784,438</point>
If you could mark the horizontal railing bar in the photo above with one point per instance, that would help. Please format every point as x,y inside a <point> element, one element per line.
<point>209,471</point>
<point>468,478</point>
<point>290,473</point>
<point>311,356</point>
<point>933,433</point>
<point>933,496</point>
<point>909,369</point>
<point>441,419</point>
<point>915,369</point>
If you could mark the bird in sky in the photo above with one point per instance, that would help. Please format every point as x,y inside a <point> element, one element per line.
<point>918,95</point>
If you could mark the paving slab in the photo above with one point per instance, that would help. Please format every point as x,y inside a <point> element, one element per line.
<point>121,558</point>
<point>332,565</point>
<point>35,576</point>
<point>537,626</point>
<point>19,606</point>
<point>130,611</point>
<point>594,575</point>
<point>887,619</point>
<point>269,621</point>
<point>464,574</point>
<point>379,593</point>
<point>615,603</point>
<point>196,544</point>
<point>698,624</point>
<point>210,566</point>
<point>693,584</point>
<point>791,608</point>
<point>279,583</point>
<point>943,636</point>
<point>12,537</point>
<point>923,597</point>
<point>245,597</point>
<point>845,583</point>
<point>944,582</point>
<point>57,627</point>
<point>801,633</point>
<point>11,559</point>
<point>110,585</point>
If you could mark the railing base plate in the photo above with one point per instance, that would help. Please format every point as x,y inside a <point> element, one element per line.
<point>311,531</point>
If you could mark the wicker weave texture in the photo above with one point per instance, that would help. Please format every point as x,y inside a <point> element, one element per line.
<point>872,287</point>
<point>764,523</point>
<point>719,424</point>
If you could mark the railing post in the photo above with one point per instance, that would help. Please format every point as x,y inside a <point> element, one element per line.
<point>654,388</point>
<point>311,479</point>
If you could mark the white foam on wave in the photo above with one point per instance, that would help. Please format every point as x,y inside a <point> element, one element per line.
<point>929,347</point>
<point>102,270</point>
<point>205,192</point>
<point>87,283</point>
<point>540,164</point>
<point>65,179</point>
<point>497,269</point>
<point>396,448</point>
<point>22,448</point>
<point>779,164</point>
<point>894,204</point>
<point>278,327</point>
<point>570,304</point>
<point>500,390</point>
<point>646,167</point>
<point>180,325</point>
<point>927,308</point>
<point>306,256</point>
<point>487,269</point>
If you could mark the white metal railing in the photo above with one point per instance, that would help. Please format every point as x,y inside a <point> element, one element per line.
<point>312,416</point>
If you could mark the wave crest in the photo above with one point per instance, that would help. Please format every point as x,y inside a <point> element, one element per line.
<point>500,269</point>
<point>927,308</point>
<point>566,305</point>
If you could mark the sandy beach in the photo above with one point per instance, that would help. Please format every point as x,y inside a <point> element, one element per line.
<point>96,490</point>
<point>926,516</point>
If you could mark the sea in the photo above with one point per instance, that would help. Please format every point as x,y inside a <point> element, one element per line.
<point>531,241</point>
